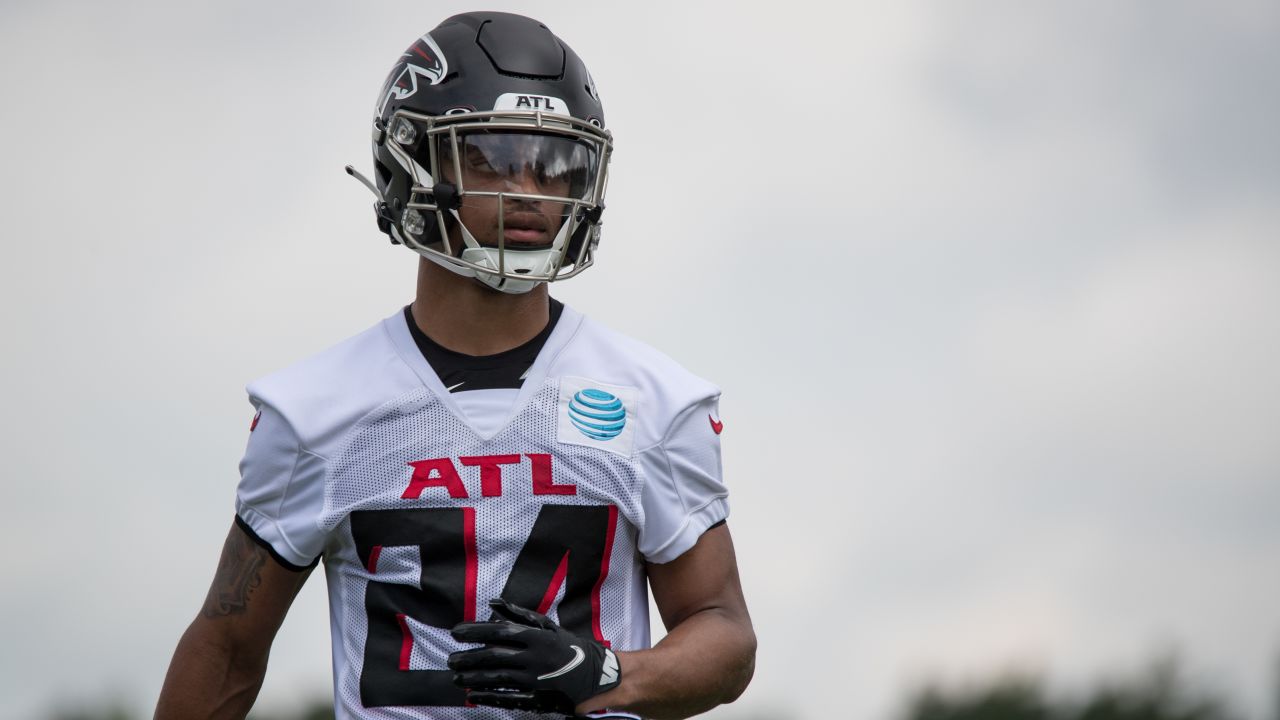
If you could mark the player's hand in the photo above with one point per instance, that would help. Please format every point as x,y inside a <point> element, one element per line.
<point>530,663</point>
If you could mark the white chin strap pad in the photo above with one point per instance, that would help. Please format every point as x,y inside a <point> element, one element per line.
<point>507,285</point>
<point>534,262</point>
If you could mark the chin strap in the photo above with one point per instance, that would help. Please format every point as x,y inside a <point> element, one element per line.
<point>363,181</point>
<point>385,219</point>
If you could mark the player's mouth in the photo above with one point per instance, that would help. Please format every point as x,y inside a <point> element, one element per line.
<point>525,229</point>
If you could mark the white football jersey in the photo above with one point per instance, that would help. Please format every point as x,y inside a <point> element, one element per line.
<point>608,457</point>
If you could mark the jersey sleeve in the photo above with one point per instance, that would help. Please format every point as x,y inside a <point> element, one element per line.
<point>684,492</point>
<point>281,491</point>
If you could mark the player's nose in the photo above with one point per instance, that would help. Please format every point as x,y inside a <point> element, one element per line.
<point>525,180</point>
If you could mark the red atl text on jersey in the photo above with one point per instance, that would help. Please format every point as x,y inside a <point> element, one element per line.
<point>442,472</point>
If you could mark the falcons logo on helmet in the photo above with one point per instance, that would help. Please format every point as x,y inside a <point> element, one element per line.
<point>422,61</point>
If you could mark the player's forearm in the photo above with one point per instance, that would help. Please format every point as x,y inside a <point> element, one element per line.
<point>208,679</point>
<point>705,661</point>
<point>222,657</point>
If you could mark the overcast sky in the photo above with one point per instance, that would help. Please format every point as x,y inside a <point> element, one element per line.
<point>992,289</point>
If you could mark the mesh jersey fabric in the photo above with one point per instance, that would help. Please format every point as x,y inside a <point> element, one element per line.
<point>423,515</point>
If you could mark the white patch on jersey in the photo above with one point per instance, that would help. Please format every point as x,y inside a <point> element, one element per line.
<point>570,422</point>
<point>525,101</point>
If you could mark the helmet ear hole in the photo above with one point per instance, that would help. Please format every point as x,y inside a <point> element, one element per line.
<point>384,173</point>
<point>580,235</point>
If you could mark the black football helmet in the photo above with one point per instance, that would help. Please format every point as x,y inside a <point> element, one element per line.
<point>490,152</point>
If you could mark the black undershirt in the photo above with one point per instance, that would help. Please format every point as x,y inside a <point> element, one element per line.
<point>460,372</point>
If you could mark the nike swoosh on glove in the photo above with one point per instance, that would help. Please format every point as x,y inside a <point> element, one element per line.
<point>530,663</point>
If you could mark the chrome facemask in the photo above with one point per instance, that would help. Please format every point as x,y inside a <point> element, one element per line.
<point>532,185</point>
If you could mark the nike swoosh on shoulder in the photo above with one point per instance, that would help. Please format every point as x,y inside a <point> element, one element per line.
<point>578,656</point>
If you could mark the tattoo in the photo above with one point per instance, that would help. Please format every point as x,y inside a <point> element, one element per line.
<point>239,572</point>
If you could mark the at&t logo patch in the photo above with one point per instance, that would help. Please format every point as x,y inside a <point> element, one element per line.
<point>597,415</point>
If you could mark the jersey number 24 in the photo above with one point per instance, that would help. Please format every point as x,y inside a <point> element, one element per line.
<point>569,545</point>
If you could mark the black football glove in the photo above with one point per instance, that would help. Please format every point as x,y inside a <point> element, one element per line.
<point>530,663</point>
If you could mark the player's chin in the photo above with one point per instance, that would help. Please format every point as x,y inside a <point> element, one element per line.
<point>518,239</point>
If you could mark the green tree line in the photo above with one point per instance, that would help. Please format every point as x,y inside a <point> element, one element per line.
<point>1160,692</point>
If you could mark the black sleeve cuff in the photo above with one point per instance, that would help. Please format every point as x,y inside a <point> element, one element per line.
<point>244,526</point>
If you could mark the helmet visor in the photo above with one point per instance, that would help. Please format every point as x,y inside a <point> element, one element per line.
<point>521,163</point>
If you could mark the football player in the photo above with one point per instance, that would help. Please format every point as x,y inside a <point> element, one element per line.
<point>494,481</point>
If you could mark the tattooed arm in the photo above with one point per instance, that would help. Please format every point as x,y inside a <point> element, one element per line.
<point>221,659</point>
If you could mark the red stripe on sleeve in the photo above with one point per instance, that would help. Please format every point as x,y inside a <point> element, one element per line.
<point>373,559</point>
<point>604,573</point>
<point>406,644</point>
<point>469,541</point>
<point>554,588</point>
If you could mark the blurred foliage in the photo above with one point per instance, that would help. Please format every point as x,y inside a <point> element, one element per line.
<point>1161,693</point>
